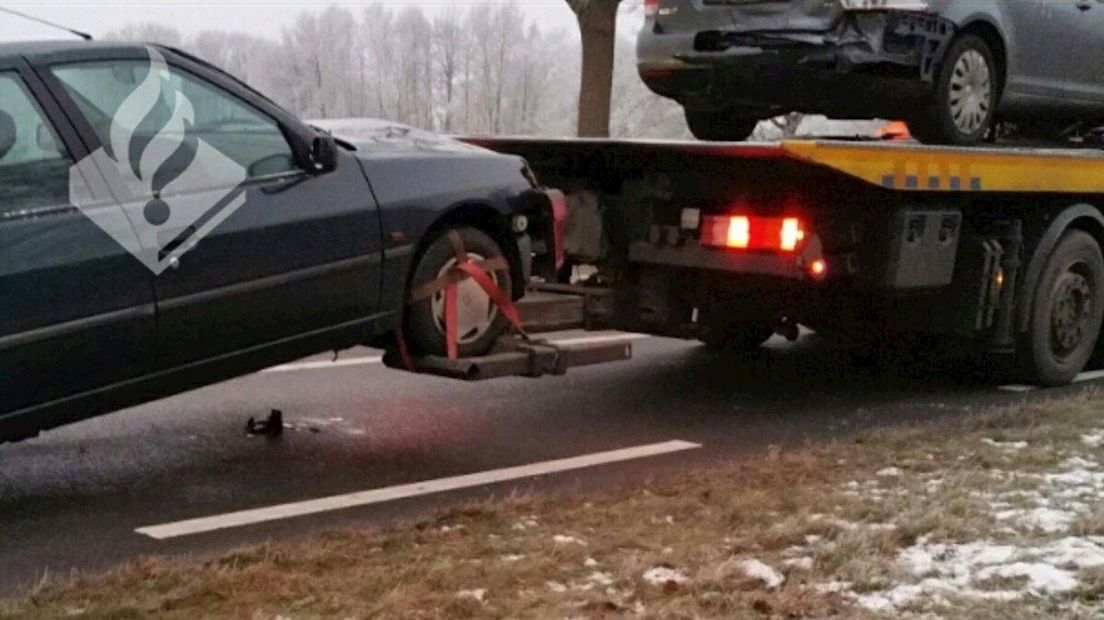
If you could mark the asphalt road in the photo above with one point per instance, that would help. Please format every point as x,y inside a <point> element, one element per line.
<point>73,498</point>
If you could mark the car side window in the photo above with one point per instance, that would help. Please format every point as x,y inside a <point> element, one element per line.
<point>210,115</point>
<point>34,167</point>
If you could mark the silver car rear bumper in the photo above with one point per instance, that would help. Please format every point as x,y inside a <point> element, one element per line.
<point>748,67</point>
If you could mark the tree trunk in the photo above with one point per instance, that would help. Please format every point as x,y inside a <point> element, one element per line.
<point>597,24</point>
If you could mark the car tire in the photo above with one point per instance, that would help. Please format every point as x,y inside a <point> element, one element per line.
<point>725,126</point>
<point>731,335</point>
<point>962,107</point>
<point>480,321</point>
<point>1067,312</point>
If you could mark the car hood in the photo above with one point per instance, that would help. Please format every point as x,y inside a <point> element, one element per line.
<point>371,135</point>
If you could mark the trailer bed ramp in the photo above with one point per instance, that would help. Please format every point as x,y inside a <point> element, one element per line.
<point>898,166</point>
<point>915,167</point>
<point>512,356</point>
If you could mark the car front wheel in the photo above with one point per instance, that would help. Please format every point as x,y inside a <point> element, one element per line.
<point>963,103</point>
<point>479,321</point>
<point>725,126</point>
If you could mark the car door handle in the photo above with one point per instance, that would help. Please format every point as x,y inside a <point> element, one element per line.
<point>1084,5</point>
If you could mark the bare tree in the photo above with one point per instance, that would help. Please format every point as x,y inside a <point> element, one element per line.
<point>484,69</point>
<point>598,27</point>
<point>448,45</point>
<point>147,33</point>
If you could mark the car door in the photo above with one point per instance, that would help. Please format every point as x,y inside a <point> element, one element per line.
<point>76,309</point>
<point>1044,54</point>
<point>1087,49</point>
<point>250,248</point>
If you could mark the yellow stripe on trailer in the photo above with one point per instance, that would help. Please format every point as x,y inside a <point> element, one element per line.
<point>914,167</point>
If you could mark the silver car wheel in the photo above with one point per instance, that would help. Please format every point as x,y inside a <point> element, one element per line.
<point>971,92</point>
<point>475,313</point>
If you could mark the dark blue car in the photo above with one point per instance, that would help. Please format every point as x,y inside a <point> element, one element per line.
<point>164,226</point>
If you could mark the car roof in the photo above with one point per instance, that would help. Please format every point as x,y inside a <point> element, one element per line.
<point>41,48</point>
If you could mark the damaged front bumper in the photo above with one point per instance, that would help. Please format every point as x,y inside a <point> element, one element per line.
<point>893,43</point>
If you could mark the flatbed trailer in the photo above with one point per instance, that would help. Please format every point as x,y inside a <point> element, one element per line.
<point>876,243</point>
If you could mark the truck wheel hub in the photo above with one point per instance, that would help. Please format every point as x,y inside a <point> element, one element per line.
<point>1073,304</point>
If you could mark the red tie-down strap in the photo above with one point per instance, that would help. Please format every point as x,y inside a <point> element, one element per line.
<point>465,268</point>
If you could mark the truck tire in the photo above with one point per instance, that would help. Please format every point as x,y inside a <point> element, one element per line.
<point>1067,311</point>
<point>480,322</point>
<point>725,126</point>
<point>964,98</point>
<point>724,335</point>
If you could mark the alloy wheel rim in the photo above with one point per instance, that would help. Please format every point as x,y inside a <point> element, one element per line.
<point>1071,313</point>
<point>475,313</point>
<point>971,92</point>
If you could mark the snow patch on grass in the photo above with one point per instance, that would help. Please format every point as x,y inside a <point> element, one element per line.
<point>1093,440</point>
<point>804,563</point>
<point>478,595</point>
<point>1011,446</point>
<point>754,569</point>
<point>661,576</point>
<point>1049,520</point>
<point>932,574</point>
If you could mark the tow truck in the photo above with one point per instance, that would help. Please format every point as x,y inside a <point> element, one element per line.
<point>998,248</point>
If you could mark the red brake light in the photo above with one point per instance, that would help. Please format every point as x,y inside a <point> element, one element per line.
<point>791,235</point>
<point>744,232</point>
<point>651,8</point>
<point>739,233</point>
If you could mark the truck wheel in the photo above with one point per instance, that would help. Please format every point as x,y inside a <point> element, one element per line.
<point>964,97</point>
<point>726,126</point>
<point>480,322</point>
<point>735,335</point>
<point>1067,312</point>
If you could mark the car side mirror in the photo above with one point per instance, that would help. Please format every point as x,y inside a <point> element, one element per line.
<point>323,154</point>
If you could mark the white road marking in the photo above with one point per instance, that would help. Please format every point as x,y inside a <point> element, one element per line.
<point>1084,377</point>
<point>1089,376</point>
<point>363,361</point>
<point>389,494</point>
<point>324,364</point>
<point>626,337</point>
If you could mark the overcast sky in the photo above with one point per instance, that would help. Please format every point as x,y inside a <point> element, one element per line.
<point>259,17</point>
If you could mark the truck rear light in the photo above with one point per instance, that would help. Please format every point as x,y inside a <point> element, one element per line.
<point>751,232</point>
<point>739,233</point>
<point>791,234</point>
<point>651,8</point>
<point>818,269</point>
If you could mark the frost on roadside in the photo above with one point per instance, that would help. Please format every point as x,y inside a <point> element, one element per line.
<point>661,576</point>
<point>1038,555</point>
<point>754,569</point>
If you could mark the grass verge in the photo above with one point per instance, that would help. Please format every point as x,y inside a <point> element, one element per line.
<point>992,516</point>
